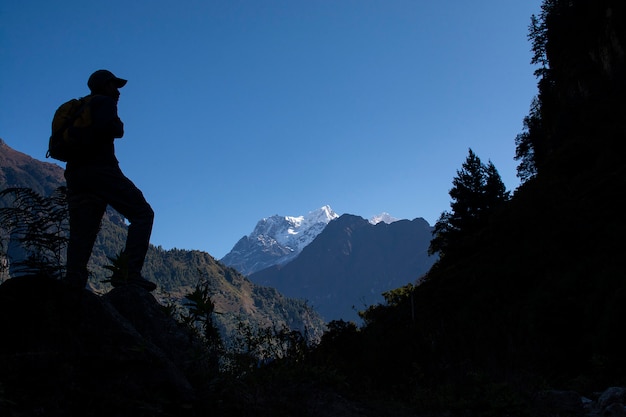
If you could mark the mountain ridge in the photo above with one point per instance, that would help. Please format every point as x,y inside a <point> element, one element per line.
<point>351,263</point>
<point>276,240</point>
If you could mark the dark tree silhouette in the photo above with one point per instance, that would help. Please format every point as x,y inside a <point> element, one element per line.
<point>524,142</point>
<point>477,190</point>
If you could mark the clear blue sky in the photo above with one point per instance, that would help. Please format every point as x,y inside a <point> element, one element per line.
<point>237,110</point>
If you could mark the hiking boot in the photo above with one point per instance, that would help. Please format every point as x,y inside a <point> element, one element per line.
<point>117,280</point>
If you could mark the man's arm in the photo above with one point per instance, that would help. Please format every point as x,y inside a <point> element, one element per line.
<point>106,122</point>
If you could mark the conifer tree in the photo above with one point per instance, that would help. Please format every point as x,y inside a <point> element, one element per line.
<point>495,190</point>
<point>477,190</point>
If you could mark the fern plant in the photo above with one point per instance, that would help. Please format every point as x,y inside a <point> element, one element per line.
<point>34,231</point>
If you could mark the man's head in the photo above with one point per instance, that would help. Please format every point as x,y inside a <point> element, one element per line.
<point>104,82</point>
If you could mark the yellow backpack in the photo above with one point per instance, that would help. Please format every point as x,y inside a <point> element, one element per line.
<point>68,128</point>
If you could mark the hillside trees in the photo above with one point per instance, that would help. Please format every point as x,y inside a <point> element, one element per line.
<point>477,190</point>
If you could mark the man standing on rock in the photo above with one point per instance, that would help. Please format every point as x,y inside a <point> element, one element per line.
<point>94,180</point>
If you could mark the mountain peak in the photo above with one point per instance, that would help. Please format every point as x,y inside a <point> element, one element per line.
<point>351,263</point>
<point>301,224</point>
<point>383,218</point>
<point>277,240</point>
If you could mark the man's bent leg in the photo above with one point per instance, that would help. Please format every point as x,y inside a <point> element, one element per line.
<point>129,201</point>
<point>138,239</point>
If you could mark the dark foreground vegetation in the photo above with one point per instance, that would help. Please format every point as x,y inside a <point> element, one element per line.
<point>525,306</point>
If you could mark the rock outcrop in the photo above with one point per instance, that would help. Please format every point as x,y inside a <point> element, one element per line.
<point>66,352</point>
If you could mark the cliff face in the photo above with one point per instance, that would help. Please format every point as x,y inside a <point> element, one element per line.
<point>583,86</point>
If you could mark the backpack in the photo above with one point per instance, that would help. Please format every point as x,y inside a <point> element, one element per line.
<point>68,128</point>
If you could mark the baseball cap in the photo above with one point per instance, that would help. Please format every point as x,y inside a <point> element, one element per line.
<point>100,77</point>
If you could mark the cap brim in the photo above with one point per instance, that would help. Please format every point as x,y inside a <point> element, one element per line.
<point>119,82</point>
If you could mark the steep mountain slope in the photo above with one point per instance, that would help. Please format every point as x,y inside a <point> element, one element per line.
<point>176,272</point>
<point>236,298</point>
<point>277,240</point>
<point>349,265</point>
<point>20,170</point>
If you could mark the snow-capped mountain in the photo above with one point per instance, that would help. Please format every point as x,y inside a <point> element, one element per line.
<point>351,263</point>
<point>277,240</point>
<point>383,218</point>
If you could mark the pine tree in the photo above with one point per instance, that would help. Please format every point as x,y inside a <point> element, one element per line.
<point>477,190</point>
<point>495,190</point>
<point>467,192</point>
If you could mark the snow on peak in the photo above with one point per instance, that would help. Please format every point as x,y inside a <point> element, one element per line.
<point>293,232</point>
<point>276,240</point>
<point>383,217</point>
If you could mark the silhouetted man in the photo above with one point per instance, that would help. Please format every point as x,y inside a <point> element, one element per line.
<point>94,180</point>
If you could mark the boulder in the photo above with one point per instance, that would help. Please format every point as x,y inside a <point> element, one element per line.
<point>69,352</point>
